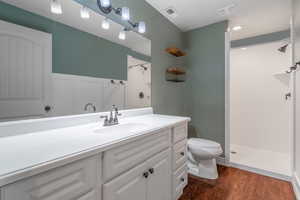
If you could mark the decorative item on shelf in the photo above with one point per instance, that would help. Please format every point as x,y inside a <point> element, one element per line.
<point>175,52</point>
<point>175,74</point>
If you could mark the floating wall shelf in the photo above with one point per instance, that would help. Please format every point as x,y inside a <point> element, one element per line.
<point>175,52</point>
<point>175,74</point>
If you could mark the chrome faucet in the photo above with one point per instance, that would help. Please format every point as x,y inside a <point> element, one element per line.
<point>113,117</point>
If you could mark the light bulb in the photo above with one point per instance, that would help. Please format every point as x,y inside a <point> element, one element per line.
<point>105,24</point>
<point>237,28</point>
<point>122,35</point>
<point>105,3</point>
<point>125,13</point>
<point>84,13</point>
<point>56,7</point>
<point>142,27</point>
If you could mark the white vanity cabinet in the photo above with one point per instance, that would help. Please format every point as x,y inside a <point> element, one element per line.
<point>147,181</point>
<point>80,180</point>
<point>151,167</point>
<point>179,160</point>
<point>120,159</point>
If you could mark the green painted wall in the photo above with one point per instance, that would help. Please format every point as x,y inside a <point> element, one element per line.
<point>206,81</point>
<point>261,39</point>
<point>75,52</point>
<point>167,97</point>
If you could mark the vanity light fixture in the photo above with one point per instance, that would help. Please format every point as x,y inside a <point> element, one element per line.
<point>84,12</point>
<point>105,3</point>
<point>55,7</point>
<point>237,28</point>
<point>142,27</point>
<point>122,35</point>
<point>105,24</point>
<point>125,13</point>
<point>106,7</point>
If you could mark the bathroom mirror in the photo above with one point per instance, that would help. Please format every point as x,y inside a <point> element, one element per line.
<point>67,59</point>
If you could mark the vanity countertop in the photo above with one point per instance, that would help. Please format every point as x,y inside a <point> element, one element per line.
<point>31,153</point>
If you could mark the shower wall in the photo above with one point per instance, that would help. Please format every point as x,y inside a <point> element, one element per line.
<point>259,112</point>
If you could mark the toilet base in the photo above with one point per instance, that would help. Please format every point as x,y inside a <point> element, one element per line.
<point>205,169</point>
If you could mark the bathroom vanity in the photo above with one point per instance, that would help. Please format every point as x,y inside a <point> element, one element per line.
<point>75,157</point>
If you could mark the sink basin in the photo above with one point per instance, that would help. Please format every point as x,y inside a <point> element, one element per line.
<point>129,127</point>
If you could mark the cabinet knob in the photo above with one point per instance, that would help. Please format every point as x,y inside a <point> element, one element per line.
<point>47,108</point>
<point>146,174</point>
<point>151,170</point>
<point>182,153</point>
<point>182,179</point>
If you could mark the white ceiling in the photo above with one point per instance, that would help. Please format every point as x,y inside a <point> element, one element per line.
<point>256,16</point>
<point>71,17</point>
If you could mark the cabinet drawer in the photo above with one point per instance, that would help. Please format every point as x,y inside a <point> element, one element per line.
<point>76,181</point>
<point>180,133</point>
<point>179,154</point>
<point>180,180</point>
<point>123,158</point>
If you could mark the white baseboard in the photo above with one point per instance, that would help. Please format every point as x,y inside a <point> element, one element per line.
<point>261,172</point>
<point>296,186</point>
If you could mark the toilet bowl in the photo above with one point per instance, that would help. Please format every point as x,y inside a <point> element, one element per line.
<point>202,158</point>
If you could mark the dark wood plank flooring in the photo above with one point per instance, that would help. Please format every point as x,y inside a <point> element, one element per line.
<point>235,184</point>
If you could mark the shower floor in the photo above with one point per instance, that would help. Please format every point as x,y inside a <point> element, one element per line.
<point>270,161</point>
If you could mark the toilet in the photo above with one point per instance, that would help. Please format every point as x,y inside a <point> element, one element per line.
<point>202,156</point>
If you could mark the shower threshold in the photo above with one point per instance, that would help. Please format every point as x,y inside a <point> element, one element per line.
<point>264,162</point>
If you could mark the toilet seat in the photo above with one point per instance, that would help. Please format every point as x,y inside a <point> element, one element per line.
<point>202,145</point>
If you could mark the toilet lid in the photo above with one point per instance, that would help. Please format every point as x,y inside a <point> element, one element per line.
<point>202,143</point>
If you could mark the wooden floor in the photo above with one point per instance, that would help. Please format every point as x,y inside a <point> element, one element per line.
<point>235,184</point>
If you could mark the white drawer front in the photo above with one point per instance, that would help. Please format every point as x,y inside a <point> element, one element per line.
<point>77,181</point>
<point>180,133</point>
<point>179,154</point>
<point>125,157</point>
<point>180,180</point>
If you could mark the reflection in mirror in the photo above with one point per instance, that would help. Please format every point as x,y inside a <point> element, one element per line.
<point>138,90</point>
<point>67,63</point>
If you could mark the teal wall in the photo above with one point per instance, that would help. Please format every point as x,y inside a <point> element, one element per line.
<point>75,52</point>
<point>68,43</point>
<point>206,81</point>
<point>167,97</point>
<point>261,39</point>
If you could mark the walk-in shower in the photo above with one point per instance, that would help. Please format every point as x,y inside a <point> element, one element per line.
<point>260,136</point>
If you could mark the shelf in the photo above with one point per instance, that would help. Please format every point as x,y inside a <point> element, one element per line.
<point>176,71</point>
<point>175,74</point>
<point>175,52</point>
<point>176,81</point>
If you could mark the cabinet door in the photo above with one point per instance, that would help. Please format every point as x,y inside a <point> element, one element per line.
<point>77,181</point>
<point>159,181</point>
<point>131,185</point>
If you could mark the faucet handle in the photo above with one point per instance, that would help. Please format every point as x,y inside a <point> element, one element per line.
<point>105,117</point>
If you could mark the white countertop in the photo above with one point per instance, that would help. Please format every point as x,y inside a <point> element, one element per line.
<point>26,152</point>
